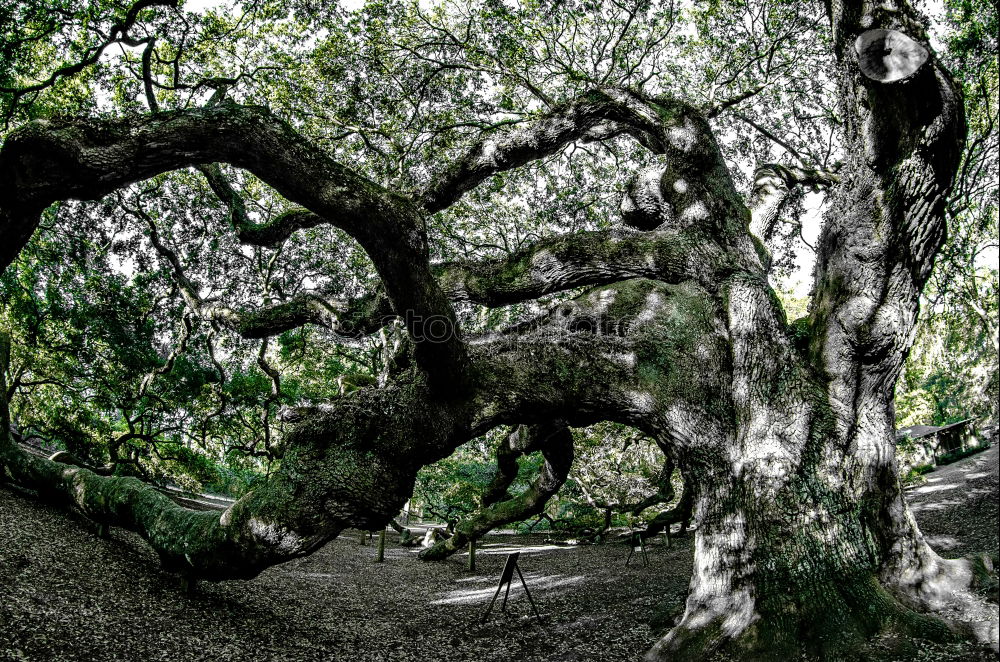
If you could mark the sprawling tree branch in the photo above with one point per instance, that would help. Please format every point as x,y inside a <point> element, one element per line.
<point>168,363</point>
<point>664,494</point>
<point>664,489</point>
<point>586,258</point>
<point>556,444</point>
<point>679,514</point>
<point>271,233</point>
<point>521,441</point>
<point>406,538</point>
<point>51,160</point>
<point>546,136</point>
<point>663,125</point>
<point>350,465</point>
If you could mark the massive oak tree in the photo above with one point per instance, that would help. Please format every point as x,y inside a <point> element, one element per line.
<point>784,429</point>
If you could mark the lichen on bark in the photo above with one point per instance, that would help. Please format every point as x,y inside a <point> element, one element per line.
<point>785,435</point>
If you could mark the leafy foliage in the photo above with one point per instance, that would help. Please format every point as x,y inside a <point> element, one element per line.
<point>110,362</point>
<point>954,370</point>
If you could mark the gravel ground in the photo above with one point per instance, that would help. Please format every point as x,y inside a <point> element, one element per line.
<point>66,594</point>
<point>958,506</point>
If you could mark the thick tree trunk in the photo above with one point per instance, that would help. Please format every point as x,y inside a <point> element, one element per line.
<point>787,559</point>
<point>804,543</point>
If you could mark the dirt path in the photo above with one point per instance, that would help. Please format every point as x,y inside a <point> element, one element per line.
<point>66,595</point>
<point>958,507</point>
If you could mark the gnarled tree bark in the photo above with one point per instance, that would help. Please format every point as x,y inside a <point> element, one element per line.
<point>786,438</point>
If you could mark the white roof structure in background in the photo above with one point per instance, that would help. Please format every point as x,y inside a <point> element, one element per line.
<point>918,431</point>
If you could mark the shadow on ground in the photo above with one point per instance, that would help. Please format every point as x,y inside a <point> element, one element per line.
<point>67,595</point>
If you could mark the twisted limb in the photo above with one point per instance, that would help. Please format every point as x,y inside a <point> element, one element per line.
<point>555,442</point>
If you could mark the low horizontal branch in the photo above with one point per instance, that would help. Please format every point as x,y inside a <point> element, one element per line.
<point>583,259</point>
<point>555,441</point>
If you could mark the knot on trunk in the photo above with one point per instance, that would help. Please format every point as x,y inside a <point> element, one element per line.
<point>888,56</point>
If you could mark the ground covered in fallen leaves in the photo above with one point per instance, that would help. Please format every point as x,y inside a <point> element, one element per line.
<point>66,594</point>
<point>958,506</point>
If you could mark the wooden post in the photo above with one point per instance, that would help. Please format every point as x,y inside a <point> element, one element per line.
<point>472,555</point>
<point>380,554</point>
<point>364,538</point>
<point>188,584</point>
<point>666,536</point>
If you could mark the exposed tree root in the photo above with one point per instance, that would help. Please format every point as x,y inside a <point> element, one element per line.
<point>849,619</point>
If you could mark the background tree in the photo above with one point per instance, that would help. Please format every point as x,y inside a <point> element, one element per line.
<point>953,371</point>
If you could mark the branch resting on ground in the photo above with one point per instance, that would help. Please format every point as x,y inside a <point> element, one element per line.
<point>555,441</point>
